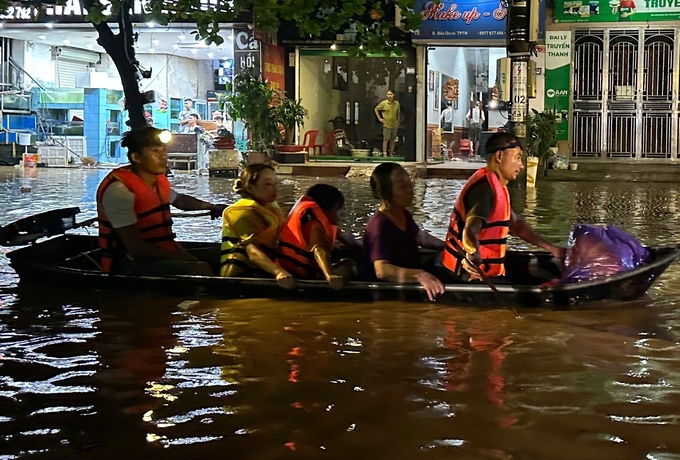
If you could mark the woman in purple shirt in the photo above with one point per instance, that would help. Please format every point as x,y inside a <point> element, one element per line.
<point>392,237</point>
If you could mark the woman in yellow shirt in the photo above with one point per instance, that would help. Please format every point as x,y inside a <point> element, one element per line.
<point>252,226</point>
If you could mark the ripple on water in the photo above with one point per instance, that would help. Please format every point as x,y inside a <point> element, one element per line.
<point>259,379</point>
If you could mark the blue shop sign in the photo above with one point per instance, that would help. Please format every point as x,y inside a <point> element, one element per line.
<point>466,19</point>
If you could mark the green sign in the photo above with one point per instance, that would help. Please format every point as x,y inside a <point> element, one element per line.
<point>617,10</point>
<point>557,77</point>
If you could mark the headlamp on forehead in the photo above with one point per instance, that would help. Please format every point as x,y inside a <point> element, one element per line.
<point>165,136</point>
<point>512,146</point>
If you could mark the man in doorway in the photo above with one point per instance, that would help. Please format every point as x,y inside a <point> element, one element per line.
<point>389,114</point>
<point>184,115</point>
<point>446,118</point>
<point>475,117</point>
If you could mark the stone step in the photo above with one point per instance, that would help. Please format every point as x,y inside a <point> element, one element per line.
<point>614,176</point>
<point>628,166</point>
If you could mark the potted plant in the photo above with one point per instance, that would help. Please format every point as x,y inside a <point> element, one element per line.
<point>291,114</point>
<point>542,135</point>
<point>224,140</point>
<point>253,102</point>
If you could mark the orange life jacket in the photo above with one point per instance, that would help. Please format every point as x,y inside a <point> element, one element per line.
<point>293,253</point>
<point>153,215</point>
<point>492,238</point>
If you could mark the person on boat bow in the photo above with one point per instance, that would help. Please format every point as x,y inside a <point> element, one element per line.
<point>133,209</point>
<point>482,217</point>
<point>392,237</point>
<point>310,234</point>
<point>252,226</point>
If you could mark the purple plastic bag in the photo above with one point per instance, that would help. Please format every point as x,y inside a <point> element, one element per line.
<point>595,252</point>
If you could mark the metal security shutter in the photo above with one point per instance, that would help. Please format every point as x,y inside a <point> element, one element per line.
<point>70,61</point>
<point>66,70</point>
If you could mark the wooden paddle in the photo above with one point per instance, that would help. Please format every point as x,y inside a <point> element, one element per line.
<point>53,222</point>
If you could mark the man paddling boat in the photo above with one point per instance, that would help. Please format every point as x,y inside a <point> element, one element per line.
<point>133,209</point>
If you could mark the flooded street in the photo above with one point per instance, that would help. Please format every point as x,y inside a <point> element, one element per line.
<point>99,375</point>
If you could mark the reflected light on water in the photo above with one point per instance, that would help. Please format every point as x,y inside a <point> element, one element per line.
<point>109,375</point>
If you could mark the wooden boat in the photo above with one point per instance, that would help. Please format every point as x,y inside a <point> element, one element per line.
<point>69,260</point>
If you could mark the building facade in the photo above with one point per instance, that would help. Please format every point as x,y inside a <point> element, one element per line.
<point>622,93</point>
<point>459,44</point>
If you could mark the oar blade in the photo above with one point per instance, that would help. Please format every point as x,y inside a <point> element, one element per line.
<point>29,229</point>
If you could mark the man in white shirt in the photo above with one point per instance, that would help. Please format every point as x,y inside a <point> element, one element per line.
<point>184,116</point>
<point>475,117</point>
<point>446,119</point>
<point>135,232</point>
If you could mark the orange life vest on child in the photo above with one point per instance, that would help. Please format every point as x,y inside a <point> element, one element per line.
<point>152,210</point>
<point>293,254</point>
<point>492,238</point>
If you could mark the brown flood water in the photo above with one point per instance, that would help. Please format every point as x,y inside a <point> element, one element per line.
<point>96,375</point>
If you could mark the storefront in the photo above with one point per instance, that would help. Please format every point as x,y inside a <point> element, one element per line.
<point>341,92</point>
<point>76,89</point>
<point>617,78</point>
<point>333,85</point>
<point>460,44</point>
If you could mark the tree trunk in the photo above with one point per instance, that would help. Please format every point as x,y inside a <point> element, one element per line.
<point>120,48</point>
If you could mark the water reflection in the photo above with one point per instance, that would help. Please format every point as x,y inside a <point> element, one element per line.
<point>107,375</point>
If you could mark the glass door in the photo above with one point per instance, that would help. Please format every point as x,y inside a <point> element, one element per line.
<point>344,90</point>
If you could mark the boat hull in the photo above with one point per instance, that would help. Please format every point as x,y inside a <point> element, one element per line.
<point>60,262</point>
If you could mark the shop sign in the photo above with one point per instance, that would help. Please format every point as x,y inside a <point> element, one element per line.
<point>617,10</point>
<point>273,66</point>
<point>466,19</point>
<point>557,78</point>
<point>246,52</point>
<point>70,12</point>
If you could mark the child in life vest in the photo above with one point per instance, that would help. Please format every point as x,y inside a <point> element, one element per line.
<point>310,234</point>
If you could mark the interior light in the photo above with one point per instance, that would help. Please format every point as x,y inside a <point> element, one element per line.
<point>155,42</point>
<point>165,136</point>
<point>66,42</point>
<point>181,37</point>
<point>152,50</point>
<point>334,46</point>
<point>89,46</point>
<point>151,24</point>
<point>49,25</point>
<point>193,50</point>
<point>210,55</point>
<point>175,46</point>
<point>42,37</point>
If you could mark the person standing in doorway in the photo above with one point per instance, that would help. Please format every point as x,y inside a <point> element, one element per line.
<point>389,114</point>
<point>184,116</point>
<point>475,117</point>
<point>446,119</point>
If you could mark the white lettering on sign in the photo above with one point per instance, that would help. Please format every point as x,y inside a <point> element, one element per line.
<point>73,8</point>
<point>437,12</point>
<point>245,41</point>
<point>519,91</point>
